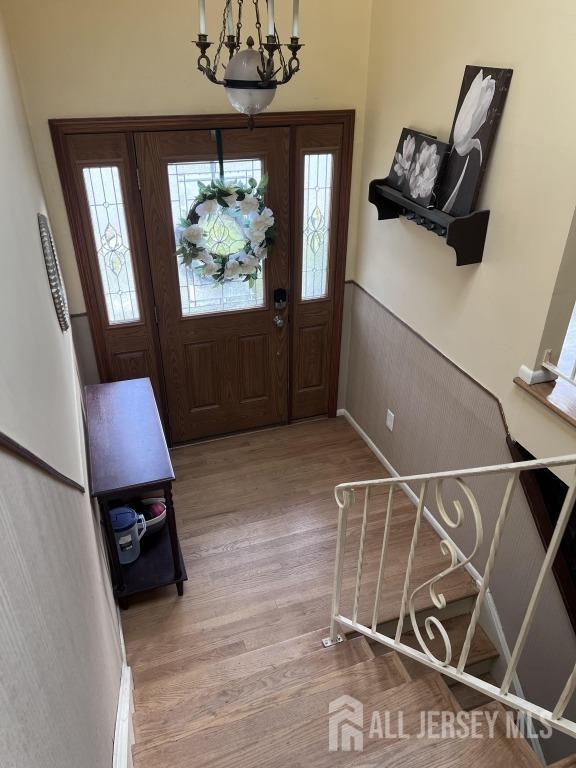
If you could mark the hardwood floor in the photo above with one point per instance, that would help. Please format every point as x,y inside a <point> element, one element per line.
<point>233,672</point>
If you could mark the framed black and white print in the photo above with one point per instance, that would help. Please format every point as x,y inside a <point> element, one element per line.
<point>480,105</point>
<point>54,274</point>
<point>417,167</point>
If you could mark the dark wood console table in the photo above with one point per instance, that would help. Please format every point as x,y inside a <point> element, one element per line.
<point>129,459</point>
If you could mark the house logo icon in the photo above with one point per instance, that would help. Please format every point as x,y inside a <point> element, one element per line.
<point>345,725</point>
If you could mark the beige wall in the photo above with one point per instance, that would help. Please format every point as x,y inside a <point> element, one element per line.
<point>127,58</point>
<point>487,318</point>
<point>445,420</point>
<point>37,358</point>
<point>60,656</point>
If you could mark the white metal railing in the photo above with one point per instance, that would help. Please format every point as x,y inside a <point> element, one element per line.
<point>549,366</point>
<point>345,493</point>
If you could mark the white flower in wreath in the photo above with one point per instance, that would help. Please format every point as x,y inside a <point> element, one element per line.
<point>207,207</point>
<point>256,235</point>
<point>266,218</point>
<point>194,234</point>
<point>211,267</point>
<point>233,268</point>
<point>249,264</point>
<point>260,251</point>
<point>249,205</point>
<point>204,256</point>
<point>259,225</point>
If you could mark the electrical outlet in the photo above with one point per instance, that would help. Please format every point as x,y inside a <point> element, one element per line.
<point>389,419</point>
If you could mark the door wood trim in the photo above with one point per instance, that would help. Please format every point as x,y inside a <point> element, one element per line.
<point>65,126</point>
<point>62,129</point>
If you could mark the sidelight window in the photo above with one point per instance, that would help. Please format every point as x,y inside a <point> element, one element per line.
<point>112,242</point>
<point>318,173</point>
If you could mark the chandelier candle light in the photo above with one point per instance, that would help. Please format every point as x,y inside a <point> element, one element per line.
<point>253,73</point>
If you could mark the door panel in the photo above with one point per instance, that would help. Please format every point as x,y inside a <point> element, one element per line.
<point>113,258</point>
<point>225,360</point>
<point>317,251</point>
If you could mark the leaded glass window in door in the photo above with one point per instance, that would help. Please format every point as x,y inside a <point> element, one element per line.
<point>318,173</point>
<point>112,242</point>
<point>198,294</point>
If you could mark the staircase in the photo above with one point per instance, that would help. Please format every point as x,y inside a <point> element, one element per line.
<point>234,674</point>
<point>271,709</point>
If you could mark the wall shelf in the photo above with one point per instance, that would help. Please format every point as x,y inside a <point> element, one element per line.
<point>466,234</point>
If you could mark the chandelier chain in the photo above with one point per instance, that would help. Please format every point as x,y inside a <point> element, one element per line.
<point>227,8</point>
<point>239,24</point>
<point>259,30</point>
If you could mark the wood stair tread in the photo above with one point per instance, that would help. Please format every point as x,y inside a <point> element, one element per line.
<point>295,728</point>
<point>501,751</point>
<point>188,708</point>
<point>481,650</point>
<point>469,698</point>
<point>567,762</point>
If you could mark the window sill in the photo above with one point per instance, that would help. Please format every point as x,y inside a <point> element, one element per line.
<point>559,396</point>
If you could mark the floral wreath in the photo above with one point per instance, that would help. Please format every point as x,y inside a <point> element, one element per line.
<point>245,204</point>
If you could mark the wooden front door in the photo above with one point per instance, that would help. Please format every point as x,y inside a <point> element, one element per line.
<point>221,359</point>
<point>224,348</point>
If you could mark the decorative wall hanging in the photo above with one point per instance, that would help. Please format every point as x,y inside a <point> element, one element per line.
<point>418,165</point>
<point>480,104</point>
<point>54,274</point>
<point>245,205</point>
<point>251,75</point>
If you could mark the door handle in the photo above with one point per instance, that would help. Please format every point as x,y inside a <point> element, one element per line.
<point>278,321</point>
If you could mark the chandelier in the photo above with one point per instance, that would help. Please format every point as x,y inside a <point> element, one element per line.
<point>252,74</point>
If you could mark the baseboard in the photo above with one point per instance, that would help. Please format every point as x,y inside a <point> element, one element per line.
<point>124,733</point>
<point>124,730</point>
<point>538,376</point>
<point>490,619</point>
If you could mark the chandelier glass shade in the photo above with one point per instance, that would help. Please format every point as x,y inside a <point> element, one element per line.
<point>254,69</point>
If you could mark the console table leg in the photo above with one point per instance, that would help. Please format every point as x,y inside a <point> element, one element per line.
<point>171,520</point>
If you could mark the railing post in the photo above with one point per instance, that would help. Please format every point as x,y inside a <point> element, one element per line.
<point>339,567</point>
<point>411,556</point>
<point>385,538</point>
<point>361,555</point>
<point>565,696</point>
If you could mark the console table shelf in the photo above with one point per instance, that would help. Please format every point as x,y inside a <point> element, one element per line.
<point>466,234</point>
<point>129,459</point>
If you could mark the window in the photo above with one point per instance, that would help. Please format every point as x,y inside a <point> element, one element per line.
<point>567,359</point>
<point>316,225</point>
<point>201,295</point>
<point>110,230</point>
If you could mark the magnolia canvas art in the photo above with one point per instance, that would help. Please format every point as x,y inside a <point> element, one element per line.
<point>417,166</point>
<point>480,105</point>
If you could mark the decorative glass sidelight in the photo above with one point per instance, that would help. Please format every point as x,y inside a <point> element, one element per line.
<point>199,294</point>
<point>113,250</point>
<point>318,173</point>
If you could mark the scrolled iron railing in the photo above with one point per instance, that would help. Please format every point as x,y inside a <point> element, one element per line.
<point>446,664</point>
